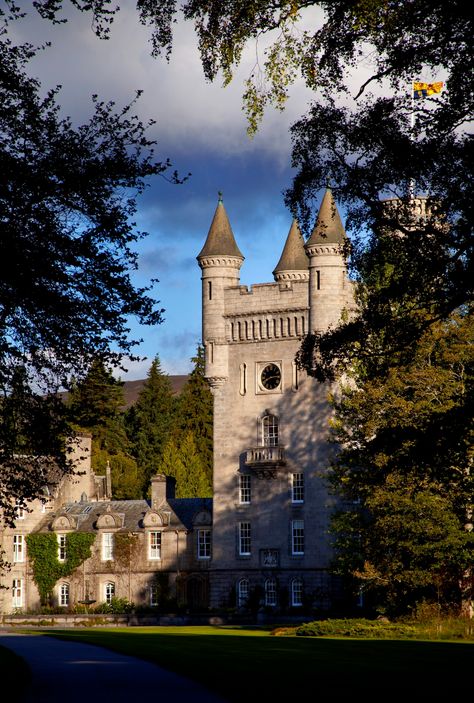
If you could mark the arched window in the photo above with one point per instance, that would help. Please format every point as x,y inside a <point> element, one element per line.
<point>109,591</point>
<point>64,595</point>
<point>242,592</point>
<point>270,592</point>
<point>297,592</point>
<point>270,431</point>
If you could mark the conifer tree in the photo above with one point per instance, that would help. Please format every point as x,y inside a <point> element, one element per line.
<point>184,462</point>
<point>194,413</point>
<point>149,421</point>
<point>96,406</point>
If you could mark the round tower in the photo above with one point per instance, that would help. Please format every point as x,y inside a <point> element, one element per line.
<point>220,260</point>
<point>327,268</point>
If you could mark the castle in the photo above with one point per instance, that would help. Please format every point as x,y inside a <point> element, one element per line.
<point>264,534</point>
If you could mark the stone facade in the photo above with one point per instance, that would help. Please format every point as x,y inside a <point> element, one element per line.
<point>263,539</point>
<point>143,552</point>
<point>271,504</point>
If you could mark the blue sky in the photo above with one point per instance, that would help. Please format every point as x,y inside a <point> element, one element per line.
<point>202,129</point>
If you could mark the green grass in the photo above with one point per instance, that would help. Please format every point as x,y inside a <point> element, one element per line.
<point>241,664</point>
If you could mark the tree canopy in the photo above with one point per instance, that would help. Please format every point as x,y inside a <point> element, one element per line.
<point>67,200</point>
<point>404,470</point>
<point>364,135</point>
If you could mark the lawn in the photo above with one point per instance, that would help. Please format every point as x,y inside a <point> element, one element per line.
<point>243,664</point>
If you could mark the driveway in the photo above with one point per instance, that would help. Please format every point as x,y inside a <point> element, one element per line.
<point>76,672</point>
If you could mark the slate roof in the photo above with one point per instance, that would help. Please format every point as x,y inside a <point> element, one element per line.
<point>328,228</point>
<point>131,512</point>
<point>293,257</point>
<point>220,239</point>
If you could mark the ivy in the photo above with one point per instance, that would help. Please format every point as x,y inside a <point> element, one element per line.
<point>43,554</point>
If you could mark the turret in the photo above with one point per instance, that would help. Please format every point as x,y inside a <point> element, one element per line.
<point>220,260</point>
<point>293,264</point>
<point>327,267</point>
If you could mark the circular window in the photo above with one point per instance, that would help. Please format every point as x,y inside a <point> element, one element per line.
<point>270,377</point>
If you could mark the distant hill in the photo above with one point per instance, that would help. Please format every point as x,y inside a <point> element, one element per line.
<point>131,389</point>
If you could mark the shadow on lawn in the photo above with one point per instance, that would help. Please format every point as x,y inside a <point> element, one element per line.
<point>240,666</point>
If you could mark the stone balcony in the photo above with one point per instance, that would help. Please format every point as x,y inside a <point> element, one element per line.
<point>264,461</point>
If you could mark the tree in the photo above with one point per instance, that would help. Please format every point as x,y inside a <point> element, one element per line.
<point>367,146</point>
<point>96,406</point>
<point>33,430</point>
<point>184,462</point>
<point>67,200</point>
<point>194,413</point>
<point>405,471</point>
<point>149,421</point>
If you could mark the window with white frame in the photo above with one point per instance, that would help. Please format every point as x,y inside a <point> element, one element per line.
<point>17,593</point>
<point>270,592</point>
<point>245,541</point>
<point>204,544</point>
<point>270,431</point>
<point>297,537</point>
<point>20,512</point>
<point>64,595</point>
<point>297,592</point>
<point>107,546</point>
<point>297,488</point>
<point>61,547</point>
<point>245,489</point>
<point>18,548</point>
<point>109,591</point>
<point>242,592</point>
<point>154,545</point>
<point>154,594</point>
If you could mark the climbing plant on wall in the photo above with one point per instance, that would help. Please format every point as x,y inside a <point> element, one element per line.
<point>43,554</point>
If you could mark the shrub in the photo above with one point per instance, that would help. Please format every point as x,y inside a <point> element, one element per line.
<point>355,628</point>
<point>117,606</point>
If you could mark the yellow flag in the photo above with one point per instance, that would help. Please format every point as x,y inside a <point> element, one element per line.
<point>423,90</point>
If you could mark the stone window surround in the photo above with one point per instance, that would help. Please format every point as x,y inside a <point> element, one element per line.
<point>107,546</point>
<point>297,537</point>
<point>63,594</point>
<point>245,537</point>
<point>204,541</point>
<point>154,545</point>
<point>61,547</point>
<point>17,593</point>
<point>19,544</point>
<point>297,487</point>
<point>245,489</point>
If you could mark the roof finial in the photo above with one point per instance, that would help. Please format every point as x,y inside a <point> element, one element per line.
<point>219,193</point>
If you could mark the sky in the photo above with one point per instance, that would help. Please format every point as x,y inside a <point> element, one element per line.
<point>201,128</point>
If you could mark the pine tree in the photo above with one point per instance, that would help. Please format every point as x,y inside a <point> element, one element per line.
<point>96,406</point>
<point>149,421</point>
<point>184,462</point>
<point>195,413</point>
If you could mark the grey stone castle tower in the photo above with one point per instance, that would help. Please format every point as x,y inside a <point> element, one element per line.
<point>271,505</point>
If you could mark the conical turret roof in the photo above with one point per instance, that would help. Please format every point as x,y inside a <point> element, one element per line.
<point>293,257</point>
<point>220,239</point>
<point>328,228</point>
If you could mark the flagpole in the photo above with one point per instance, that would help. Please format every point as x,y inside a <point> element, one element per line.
<point>411,187</point>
